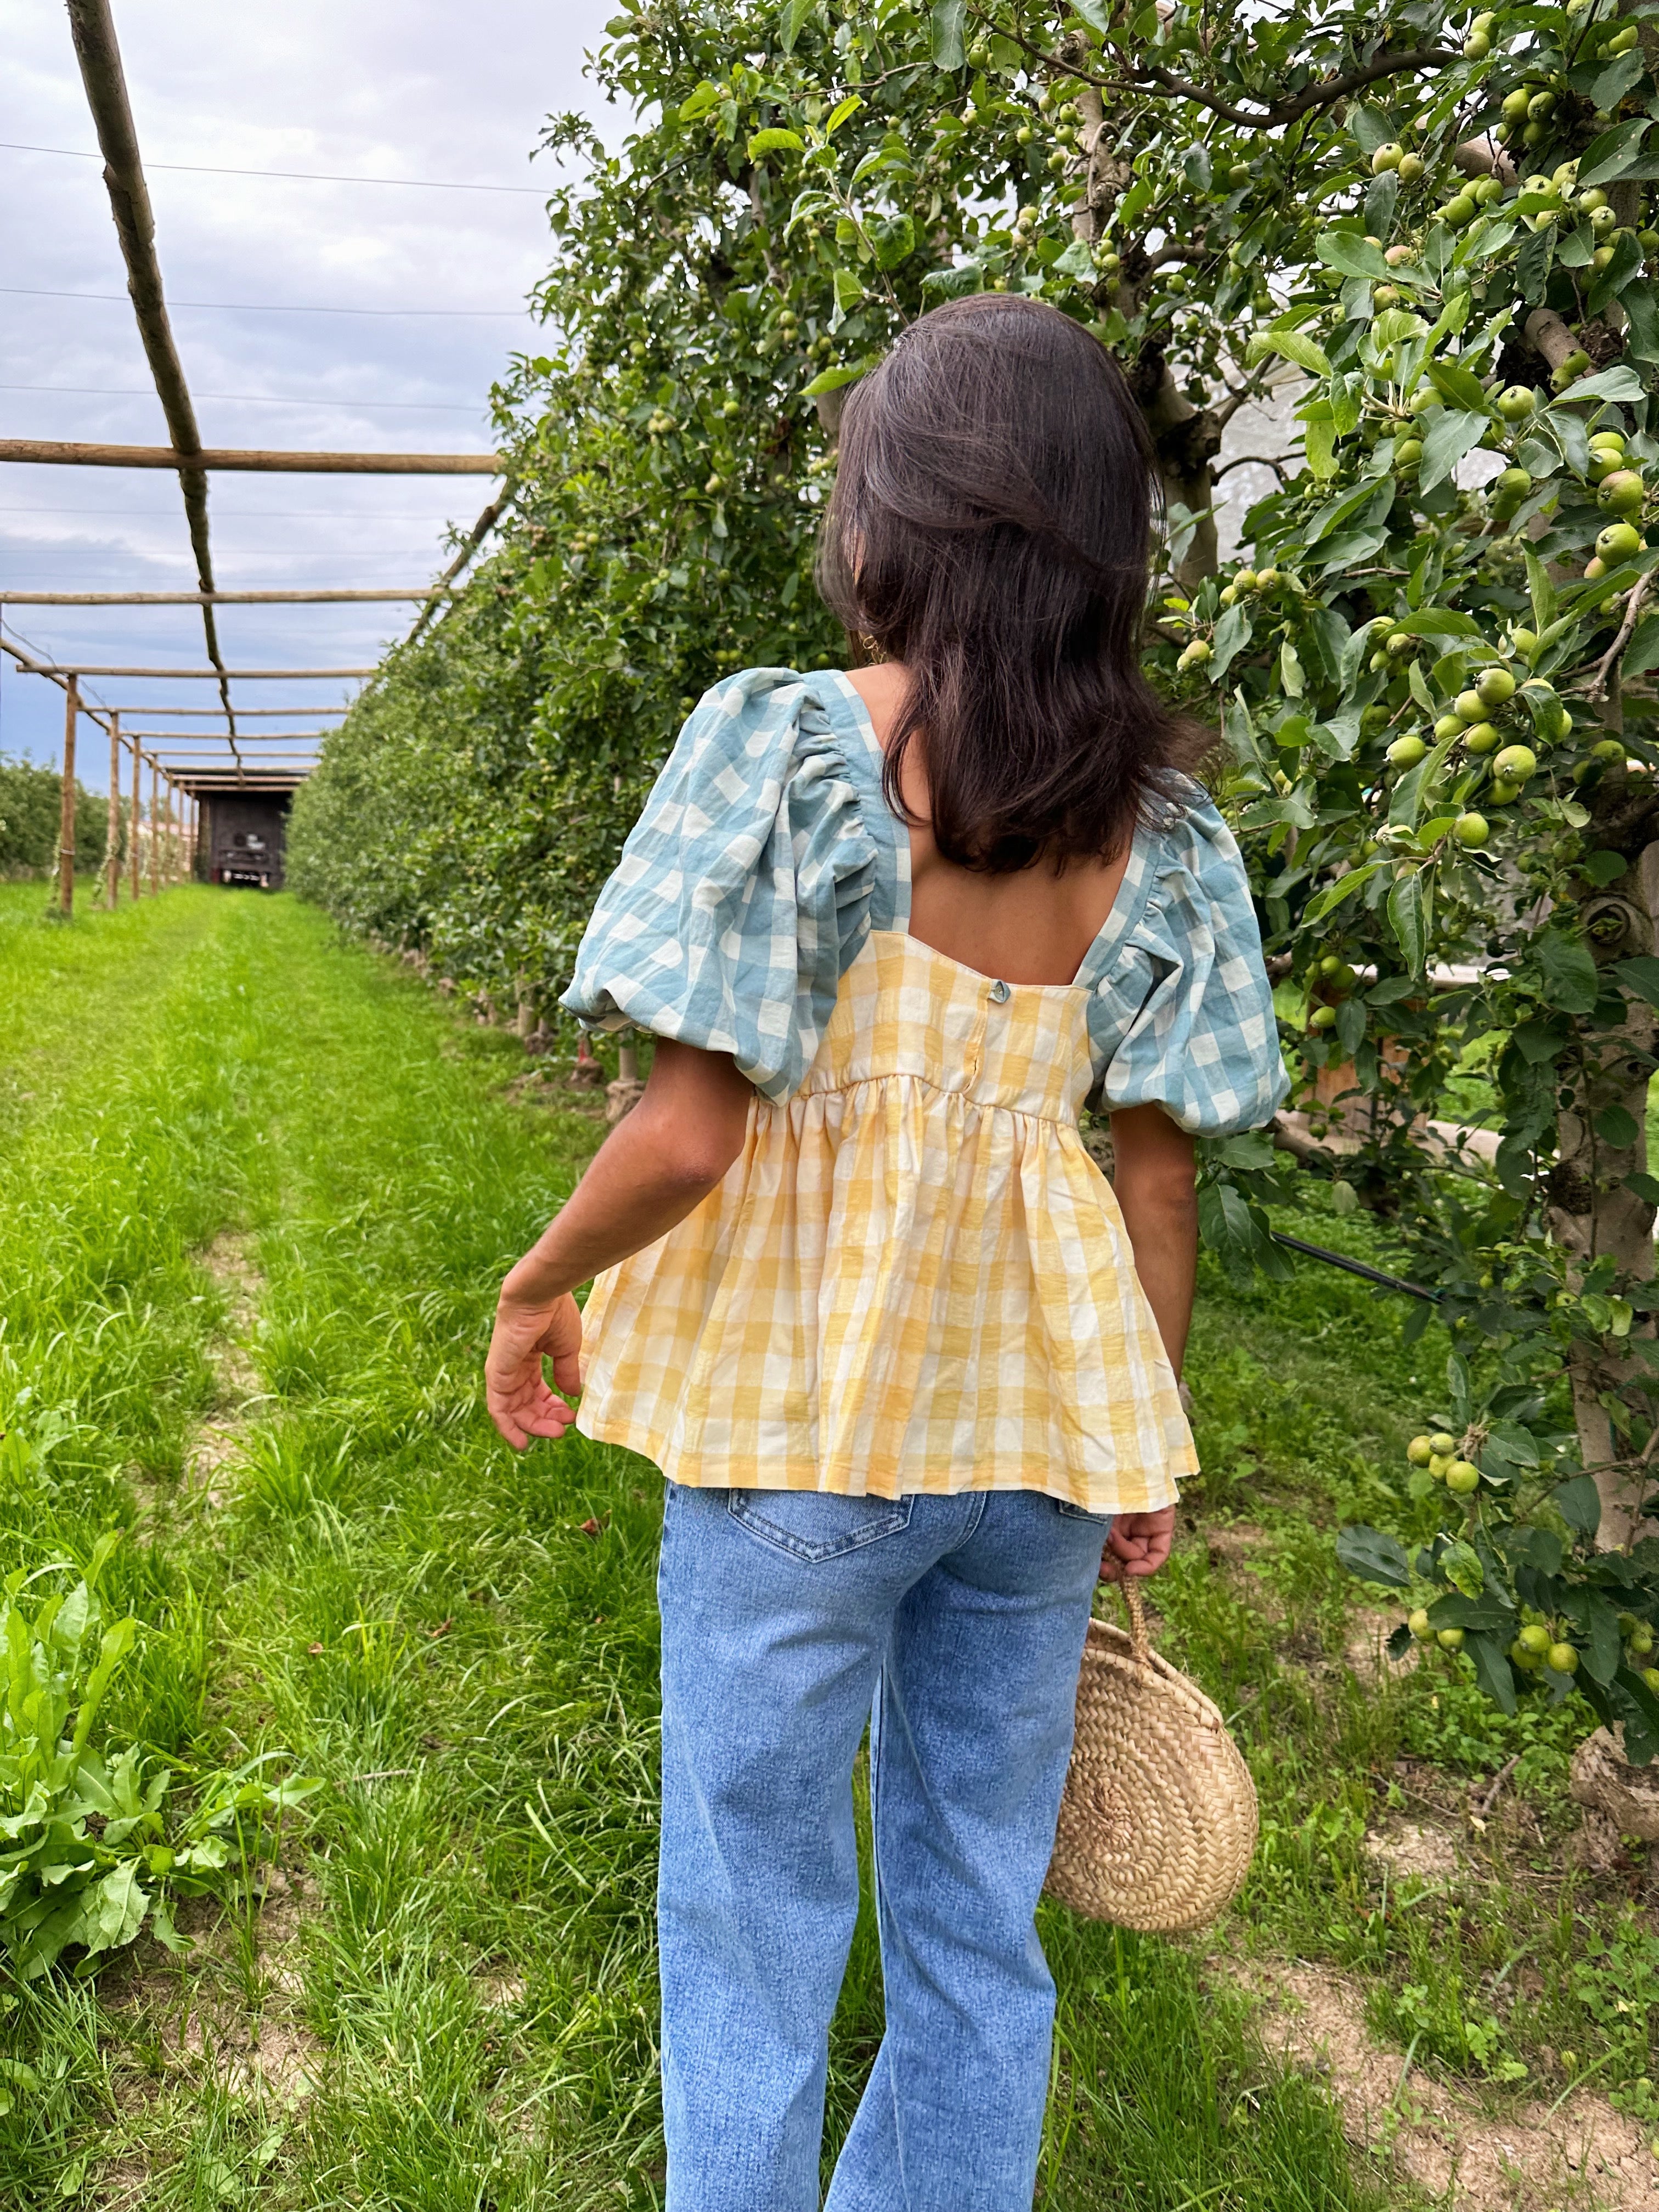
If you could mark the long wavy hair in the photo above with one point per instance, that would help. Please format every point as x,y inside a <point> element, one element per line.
<point>989,528</point>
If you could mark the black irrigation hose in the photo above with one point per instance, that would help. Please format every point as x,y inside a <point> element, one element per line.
<point>1357,1267</point>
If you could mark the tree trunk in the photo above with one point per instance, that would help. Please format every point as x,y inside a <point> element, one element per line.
<point>1185,438</point>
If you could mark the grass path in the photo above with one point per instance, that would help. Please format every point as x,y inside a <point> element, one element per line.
<point>242,1130</point>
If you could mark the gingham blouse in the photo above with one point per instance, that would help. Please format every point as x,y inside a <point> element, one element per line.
<point>767,856</point>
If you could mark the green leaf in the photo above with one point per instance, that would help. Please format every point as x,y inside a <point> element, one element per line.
<point>775,141</point>
<point>1640,976</point>
<point>946,18</point>
<point>1232,635</point>
<point>1571,981</point>
<point>1579,1504</point>
<point>1617,1128</point>
<point>793,13</point>
<point>1329,896</point>
<point>1460,1565</point>
<point>706,96</point>
<point>1451,433</point>
<point>1642,654</point>
<point>831,380</point>
<point>1293,346</point>
<point>1348,251</point>
<point>1405,920</point>
<point>1491,1666</point>
<point>843,109</point>
<point>1618,383</point>
<point>1612,153</point>
<point>1460,386</point>
<point>1094,14</point>
<point>1374,1556</point>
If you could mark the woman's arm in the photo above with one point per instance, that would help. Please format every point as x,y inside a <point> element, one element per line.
<point>1157,1186</point>
<point>652,1170</point>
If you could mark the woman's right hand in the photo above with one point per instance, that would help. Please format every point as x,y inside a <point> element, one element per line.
<point>515,1390</point>
<point>1138,1544</point>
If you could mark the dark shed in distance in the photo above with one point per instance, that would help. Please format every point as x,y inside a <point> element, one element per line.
<point>242,829</point>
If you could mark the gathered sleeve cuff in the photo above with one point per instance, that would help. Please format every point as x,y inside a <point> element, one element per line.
<point>750,882</point>
<point>1183,1017</point>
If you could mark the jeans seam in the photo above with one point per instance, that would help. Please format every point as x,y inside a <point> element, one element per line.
<point>812,1555</point>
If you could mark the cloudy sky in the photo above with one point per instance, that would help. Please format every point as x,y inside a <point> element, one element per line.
<point>424,90</point>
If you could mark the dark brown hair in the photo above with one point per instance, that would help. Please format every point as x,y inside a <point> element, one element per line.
<point>989,528</point>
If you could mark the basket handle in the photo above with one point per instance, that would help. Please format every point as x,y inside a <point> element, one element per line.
<point>1136,1607</point>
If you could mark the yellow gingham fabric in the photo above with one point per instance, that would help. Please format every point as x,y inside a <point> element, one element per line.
<point>913,1278</point>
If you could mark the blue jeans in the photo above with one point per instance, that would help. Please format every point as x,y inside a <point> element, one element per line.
<point>956,1626</point>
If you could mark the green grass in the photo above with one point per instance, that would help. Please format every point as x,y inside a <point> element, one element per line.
<point>388,1596</point>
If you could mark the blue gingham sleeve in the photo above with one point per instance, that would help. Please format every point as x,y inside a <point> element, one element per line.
<point>745,887</point>
<point>1183,1017</point>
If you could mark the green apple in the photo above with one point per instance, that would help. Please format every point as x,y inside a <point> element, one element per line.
<point>1450,1639</point>
<point>1481,739</point>
<point>1494,687</point>
<point>1437,1466</point>
<point>1515,764</point>
<point>1445,1445</point>
<point>1511,485</point>
<point>1418,1622</point>
<point>1448,727</point>
<point>1619,541</point>
<point>1195,654</point>
<point>1472,831</point>
<point>1462,1478</point>
<point>1515,104</point>
<point>1650,1676</point>
<point>1405,752</point>
<point>1387,157</point>
<point>1410,168</point>
<point>1408,451</point>
<point>1501,794</point>
<point>1536,1638</point>
<point>1622,493</point>
<point>1516,403</point>
<point>1562,1658</point>
<point>1420,1450</point>
<point>1458,211</point>
<point>1322,1018</point>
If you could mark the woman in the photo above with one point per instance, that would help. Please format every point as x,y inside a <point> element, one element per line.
<point>907,1360</point>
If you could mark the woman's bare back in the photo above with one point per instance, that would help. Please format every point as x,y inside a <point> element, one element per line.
<point>1033,928</point>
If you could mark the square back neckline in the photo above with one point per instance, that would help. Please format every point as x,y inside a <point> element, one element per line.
<point>1124,913</point>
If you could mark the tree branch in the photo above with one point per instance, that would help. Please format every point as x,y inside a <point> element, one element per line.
<point>1597,688</point>
<point>1322,93</point>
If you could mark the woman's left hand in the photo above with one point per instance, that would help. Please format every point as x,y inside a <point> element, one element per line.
<point>1139,1543</point>
<point>515,1390</point>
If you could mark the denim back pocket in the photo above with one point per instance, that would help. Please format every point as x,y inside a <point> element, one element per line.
<point>816,1524</point>
<point>1103,1521</point>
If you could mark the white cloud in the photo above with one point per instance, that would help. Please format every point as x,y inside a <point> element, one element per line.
<point>423,90</point>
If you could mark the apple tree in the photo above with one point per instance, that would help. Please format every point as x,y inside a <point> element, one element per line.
<point>1411,241</point>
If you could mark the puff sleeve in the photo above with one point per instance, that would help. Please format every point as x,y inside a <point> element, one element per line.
<point>752,877</point>
<point>1183,1016</point>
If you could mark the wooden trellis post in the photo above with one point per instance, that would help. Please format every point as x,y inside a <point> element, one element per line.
<point>137,815</point>
<point>155,828</point>
<point>66,813</point>
<point>112,832</point>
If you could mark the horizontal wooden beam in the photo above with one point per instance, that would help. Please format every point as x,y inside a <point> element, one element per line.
<point>214,457</point>
<point>192,675</point>
<point>218,738</point>
<point>207,598</point>
<point>218,713</point>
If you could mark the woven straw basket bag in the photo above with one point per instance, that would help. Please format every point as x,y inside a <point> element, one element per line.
<point>1158,1821</point>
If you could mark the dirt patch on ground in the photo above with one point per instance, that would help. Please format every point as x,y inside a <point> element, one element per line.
<point>217,1440</point>
<point>1413,1847</point>
<point>1581,2157</point>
